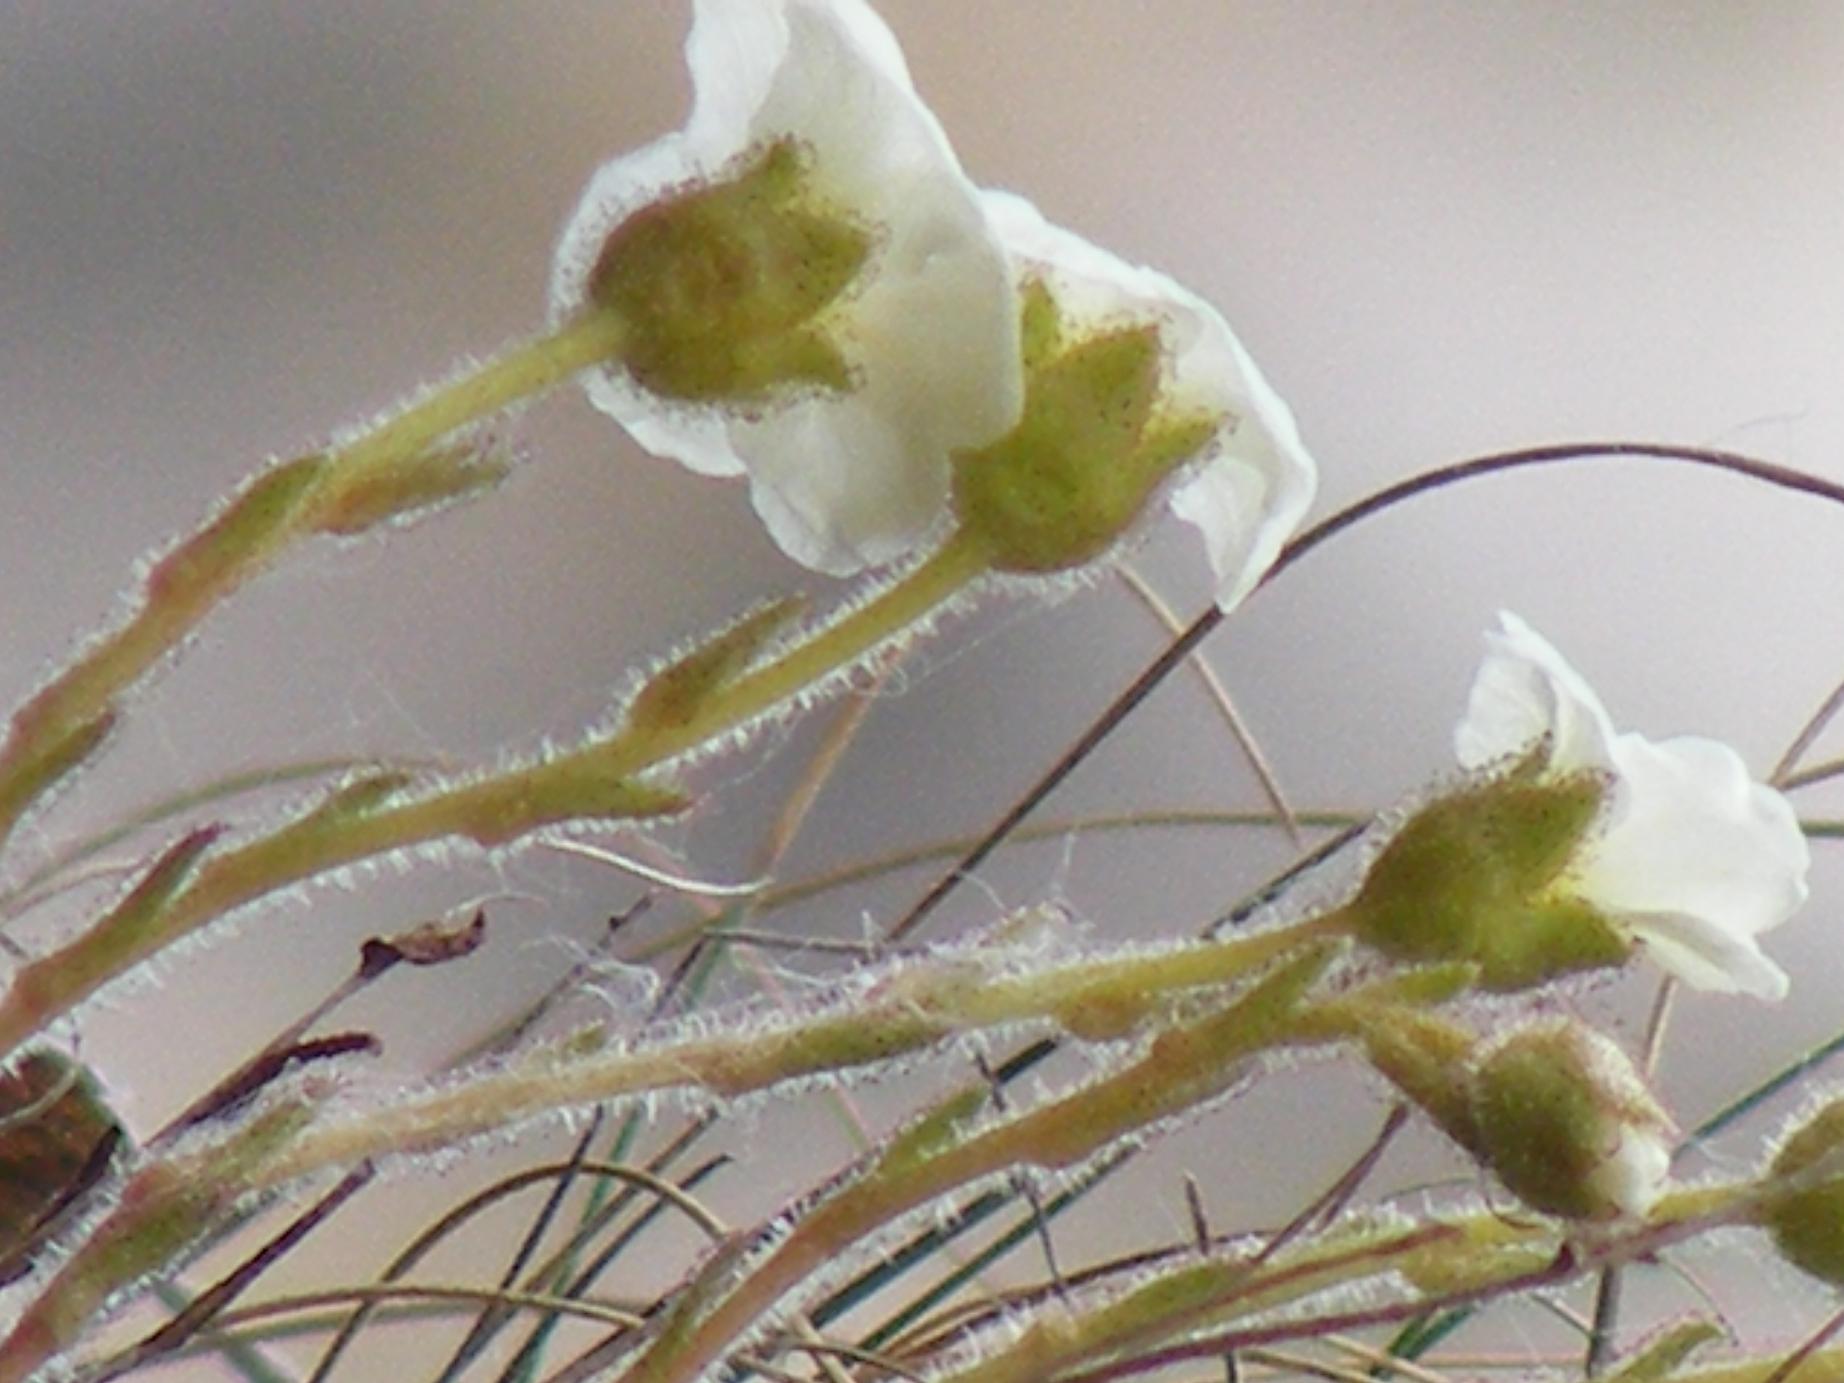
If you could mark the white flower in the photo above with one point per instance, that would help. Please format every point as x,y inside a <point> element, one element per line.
<point>1692,858</point>
<point>1248,489</point>
<point>927,330</point>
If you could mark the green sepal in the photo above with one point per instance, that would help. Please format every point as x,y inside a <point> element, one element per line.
<point>1094,442</point>
<point>1428,1060</point>
<point>1040,334</point>
<point>673,696</point>
<point>1807,1225</point>
<point>1472,877</point>
<point>144,903</point>
<point>1541,1125</point>
<point>718,288</point>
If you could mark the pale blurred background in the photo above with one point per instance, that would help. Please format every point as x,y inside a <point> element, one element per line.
<point>1444,228</point>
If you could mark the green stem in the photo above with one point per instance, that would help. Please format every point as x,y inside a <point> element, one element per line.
<point>175,1203</point>
<point>524,372</point>
<point>597,781</point>
<point>920,1005</point>
<point>1184,1066</point>
<point>64,723</point>
<point>838,647</point>
<point>1466,1258</point>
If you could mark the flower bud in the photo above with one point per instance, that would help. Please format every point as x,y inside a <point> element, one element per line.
<point>1473,877</point>
<point>1568,1126</point>
<point>1807,1224</point>
<point>1096,439</point>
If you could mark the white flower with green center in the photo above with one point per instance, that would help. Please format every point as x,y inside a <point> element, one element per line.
<point>808,289</point>
<point>1690,857</point>
<point>1177,399</point>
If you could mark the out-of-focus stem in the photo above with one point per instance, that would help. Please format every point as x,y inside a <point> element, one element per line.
<point>1464,1258</point>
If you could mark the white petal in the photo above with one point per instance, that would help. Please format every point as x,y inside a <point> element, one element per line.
<point>1250,490</point>
<point>930,332</point>
<point>1704,956</point>
<point>1697,860</point>
<point>1693,858</point>
<point>1525,691</point>
<point>835,488</point>
<point>1635,1173</point>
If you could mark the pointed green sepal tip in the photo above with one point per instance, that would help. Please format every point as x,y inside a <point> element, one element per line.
<point>1270,1006</point>
<point>1428,1059</point>
<point>1806,1222</point>
<point>52,757</point>
<point>1040,334</point>
<point>719,289</point>
<point>1096,439</point>
<point>1479,875</point>
<point>573,789</point>
<point>1278,992</point>
<point>255,521</point>
<point>360,795</point>
<point>673,696</point>
<point>402,489</point>
<point>1568,1126</point>
<point>129,920</point>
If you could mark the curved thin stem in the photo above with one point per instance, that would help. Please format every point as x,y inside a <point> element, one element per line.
<point>1181,648</point>
<point>419,1247</point>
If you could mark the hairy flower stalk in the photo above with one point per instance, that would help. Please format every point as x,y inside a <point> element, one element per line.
<point>397,467</point>
<point>173,1204</point>
<point>887,1013</point>
<point>1218,1306</point>
<point>604,779</point>
<point>1402,1272</point>
<point>1185,1065</point>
